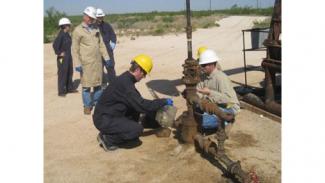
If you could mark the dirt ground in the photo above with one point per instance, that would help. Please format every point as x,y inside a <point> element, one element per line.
<point>72,153</point>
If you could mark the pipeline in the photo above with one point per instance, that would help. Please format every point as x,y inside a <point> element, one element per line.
<point>271,65</point>
<point>214,109</point>
<point>217,151</point>
<point>270,103</point>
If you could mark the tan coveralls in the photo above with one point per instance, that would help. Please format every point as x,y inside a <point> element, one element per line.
<point>221,90</point>
<point>88,49</point>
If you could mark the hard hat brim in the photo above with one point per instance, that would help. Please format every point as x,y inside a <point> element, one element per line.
<point>90,16</point>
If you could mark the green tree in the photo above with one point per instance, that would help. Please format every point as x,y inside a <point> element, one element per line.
<point>51,23</point>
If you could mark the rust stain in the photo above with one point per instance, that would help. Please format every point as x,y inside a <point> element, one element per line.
<point>240,140</point>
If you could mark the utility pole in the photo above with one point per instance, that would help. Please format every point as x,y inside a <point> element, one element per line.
<point>256,4</point>
<point>210,5</point>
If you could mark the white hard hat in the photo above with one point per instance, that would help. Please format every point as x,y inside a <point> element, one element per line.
<point>90,11</point>
<point>208,56</point>
<point>100,13</point>
<point>64,21</point>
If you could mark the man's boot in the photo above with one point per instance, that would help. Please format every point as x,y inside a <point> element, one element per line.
<point>130,144</point>
<point>103,142</point>
<point>163,132</point>
<point>87,110</point>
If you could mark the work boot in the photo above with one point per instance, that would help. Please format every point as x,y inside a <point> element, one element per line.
<point>163,132</point>
<point>73,91</point>
<point>130,144</point>
<point>104,144</point>
<point>62,95</point>
<point>87,110</point>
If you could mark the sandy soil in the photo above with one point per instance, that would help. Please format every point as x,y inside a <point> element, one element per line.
<point>72,153</point>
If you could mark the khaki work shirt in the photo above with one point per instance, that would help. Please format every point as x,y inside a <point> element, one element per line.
<point>221,90</point>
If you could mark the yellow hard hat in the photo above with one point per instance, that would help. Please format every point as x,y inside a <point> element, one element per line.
<point>144,61</point>
<point>201,50</point>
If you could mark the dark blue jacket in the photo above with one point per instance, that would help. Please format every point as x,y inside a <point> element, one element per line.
<point>108,34</point>
<point>62,43</point>
<point>121,98</point>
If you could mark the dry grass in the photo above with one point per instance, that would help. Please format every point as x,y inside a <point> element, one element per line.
<point>161,25</point>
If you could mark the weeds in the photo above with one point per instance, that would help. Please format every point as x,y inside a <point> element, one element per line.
<point>262,24</point>
<point>153,23</point>
<point>168,19</point>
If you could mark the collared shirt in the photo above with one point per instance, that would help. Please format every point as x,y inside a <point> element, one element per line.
<point>221,89</point>
<point>89,28</point>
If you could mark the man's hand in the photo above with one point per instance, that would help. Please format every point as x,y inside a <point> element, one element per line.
<point>108,63</point>
<point>112,44</point>
<point>79,69</point>
<point>204,91</point>
<point>169,102</point>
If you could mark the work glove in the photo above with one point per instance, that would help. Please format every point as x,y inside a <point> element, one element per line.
<point>112,44</point>
<point>169,102</point>
<point>79,69</point>
<point>109,63</point>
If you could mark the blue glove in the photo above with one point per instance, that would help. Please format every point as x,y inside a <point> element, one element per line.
<point>112,44</point>
<point>109,63</point>
<point>169,102</point>
<point>79,69</point>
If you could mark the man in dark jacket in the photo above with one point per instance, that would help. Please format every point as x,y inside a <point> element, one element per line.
<point>117,111</point>
<point>62,48</point>
<point>109,38</point>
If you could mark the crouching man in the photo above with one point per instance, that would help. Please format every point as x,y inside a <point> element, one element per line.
<point>217,88</point>
<point>117,111</point>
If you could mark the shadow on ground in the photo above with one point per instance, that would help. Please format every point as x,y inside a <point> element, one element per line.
<point>164,86</point>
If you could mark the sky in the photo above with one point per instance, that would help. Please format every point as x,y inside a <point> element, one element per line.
<point>75,7</point>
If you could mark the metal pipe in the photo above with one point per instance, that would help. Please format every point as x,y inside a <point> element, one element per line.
<point>271,65</point>
<point>254,100</point>
<point>273,107</point>
<point>210,107</point>
<point>244,51</point>
<point>269,87</point>
<point>189,30</point>
<point>208,147</point>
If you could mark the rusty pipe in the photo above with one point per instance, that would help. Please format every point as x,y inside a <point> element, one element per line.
<point>273,107</point>
<point>269,85</point>
<point>271,65</point>
<point>270,103</point>
<point>234,168</point>
<point>210,107</point>
<point>254,100</point>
